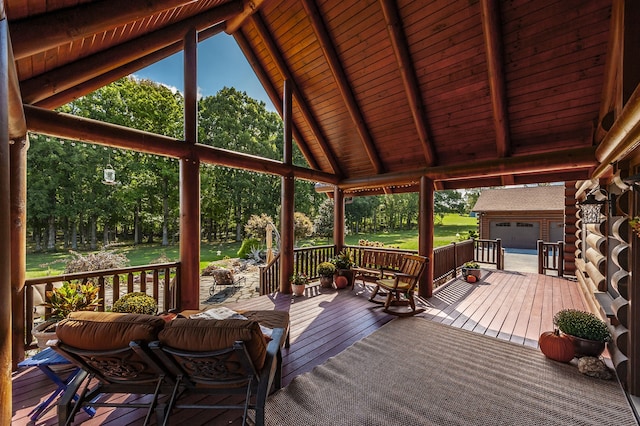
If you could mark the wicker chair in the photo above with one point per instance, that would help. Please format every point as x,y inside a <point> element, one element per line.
<point>400,288</point>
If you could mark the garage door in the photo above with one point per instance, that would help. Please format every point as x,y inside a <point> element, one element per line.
<point>516,234</point>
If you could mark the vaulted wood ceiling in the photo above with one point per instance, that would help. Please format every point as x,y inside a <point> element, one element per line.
<point>467,92</point>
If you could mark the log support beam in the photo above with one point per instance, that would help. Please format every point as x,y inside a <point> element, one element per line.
<point>338,218</point>
<point>5,228</point>
<point>189,297</point>
<point>287,199</point>
<point>425,235</point>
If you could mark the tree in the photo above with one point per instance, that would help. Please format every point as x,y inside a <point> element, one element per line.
<point>448,201</point>
<point>470,199</point>
<point>302,226</point>
<point>323,222</point>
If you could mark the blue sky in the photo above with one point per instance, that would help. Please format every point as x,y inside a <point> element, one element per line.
<point>220,63</point>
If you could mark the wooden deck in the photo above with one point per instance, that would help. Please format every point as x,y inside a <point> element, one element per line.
<point>506,305</point>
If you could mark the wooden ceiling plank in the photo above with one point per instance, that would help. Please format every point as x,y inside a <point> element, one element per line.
<point>243,43</point>
<point>493,41</point>
<point>279,61</point>
<point>409,78</point>
<point>68,126</point>
<point>560,161</point>
<point>81,21</point>
<point>63,78</point>
<point>343,83</point>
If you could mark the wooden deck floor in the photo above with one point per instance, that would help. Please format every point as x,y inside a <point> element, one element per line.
<point>506,305</point>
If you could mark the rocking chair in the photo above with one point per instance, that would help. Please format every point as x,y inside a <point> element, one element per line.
<point>399,289</point>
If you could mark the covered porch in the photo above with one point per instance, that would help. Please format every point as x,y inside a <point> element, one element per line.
<point>506,305</point>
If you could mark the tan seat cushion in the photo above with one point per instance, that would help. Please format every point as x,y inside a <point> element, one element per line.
<point>201,335</point>
<point>107,330</point>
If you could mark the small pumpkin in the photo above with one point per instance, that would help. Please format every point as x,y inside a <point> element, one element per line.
<point>472,278</point>
<point>341,281</point>
<point>556,346</point>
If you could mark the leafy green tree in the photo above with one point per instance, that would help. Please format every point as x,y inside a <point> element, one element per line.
<point>470,199</point>
<point>323,222</point>
<point>448,201</point>
<point>302,226</point>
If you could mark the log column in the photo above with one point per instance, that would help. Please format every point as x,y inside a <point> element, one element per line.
<point>338,218</point>
<point>5,227</point>
<point>189,295</point>
<point>287,197</point>
<point>425,235</point>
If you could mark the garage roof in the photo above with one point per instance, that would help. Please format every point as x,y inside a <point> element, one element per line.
<point>538,198</point>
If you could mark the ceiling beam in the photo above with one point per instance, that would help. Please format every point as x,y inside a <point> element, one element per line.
<point>273,94</point>
<point>566,160</point>
<point>45,85</point>
<point>409,77</point>
<point>68,126</point>
<point>17,123</point>
<point>274,52</point>
<point>84,20</point>
<point>81,89</point>
<point>493,47</point>
<point>330,54</point>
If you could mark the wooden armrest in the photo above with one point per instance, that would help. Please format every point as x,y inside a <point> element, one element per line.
<point>403,275</point>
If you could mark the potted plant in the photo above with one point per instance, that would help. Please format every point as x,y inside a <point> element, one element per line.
<point>635,225</point>
<point>326,270</point>
<point>70,297</point>
<point>343,262</point>
<point>471,268</point>
<point>298,282</point>
<point>587,332</point>
<point>136,303</point>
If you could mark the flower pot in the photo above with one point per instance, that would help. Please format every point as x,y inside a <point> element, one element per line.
<point>471,271</point>
<point>41,335</point>
<point>326,282</point>
<point>585,347</point>
<point>298,289</point>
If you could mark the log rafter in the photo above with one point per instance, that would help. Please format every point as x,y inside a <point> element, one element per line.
<point>409,77</point>
<point>84,20</point>
<point>273,95</point>
<point>535,163</point>
<point>495,67</point>
<point>62,78</point>
<point>279,61</point>
<point>68,126</point>
<point>340,77</point>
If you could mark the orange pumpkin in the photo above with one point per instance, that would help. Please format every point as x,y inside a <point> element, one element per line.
<point>556,346</point>
<point>472,278</point>
<point>341,281</point>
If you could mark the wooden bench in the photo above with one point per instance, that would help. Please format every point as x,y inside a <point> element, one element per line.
<point>376,264</point>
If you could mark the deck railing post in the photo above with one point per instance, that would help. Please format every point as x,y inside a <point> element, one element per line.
<point>499,255</point>
<point>540,257</point>
<point>560,258</point>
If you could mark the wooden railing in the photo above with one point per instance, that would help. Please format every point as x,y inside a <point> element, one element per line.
<point>161,281</point>
<point>448,259</point>
<point>489,251</point>
<point>551,257</point>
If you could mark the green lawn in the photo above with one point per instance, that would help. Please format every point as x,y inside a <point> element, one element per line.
<point>43,264</point>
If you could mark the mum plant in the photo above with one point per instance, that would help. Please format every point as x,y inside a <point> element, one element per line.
<point>584,325</point>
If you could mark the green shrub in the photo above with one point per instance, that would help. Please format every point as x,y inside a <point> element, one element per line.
<point>326,269</point>
<point>136,303</point>
<point>72,297</point>
<point>247,245</point>
<point>584,325</point>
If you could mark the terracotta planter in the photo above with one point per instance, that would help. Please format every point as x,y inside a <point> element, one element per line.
<point>298,289</point>
<point>326,282</point>
<point>584,347</point>
<point>41,336</point>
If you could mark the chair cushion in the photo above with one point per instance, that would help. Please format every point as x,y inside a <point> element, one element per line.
<point>390,284</point>
<point>107,330</point>
<point>201,335</point>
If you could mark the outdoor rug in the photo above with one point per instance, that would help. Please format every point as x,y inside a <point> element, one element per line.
<point>416,372</point>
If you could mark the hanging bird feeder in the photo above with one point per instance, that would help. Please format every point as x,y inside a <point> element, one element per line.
<point>109,175</point>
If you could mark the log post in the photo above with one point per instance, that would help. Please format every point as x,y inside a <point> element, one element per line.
<point>338,219</point>
<point>189,291</point>
<point>18,211</point>
<point>425,235</point>
<point>5,227</point>
<point>287,197</point>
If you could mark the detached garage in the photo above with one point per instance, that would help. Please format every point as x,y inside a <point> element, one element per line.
<point>522,216</point>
